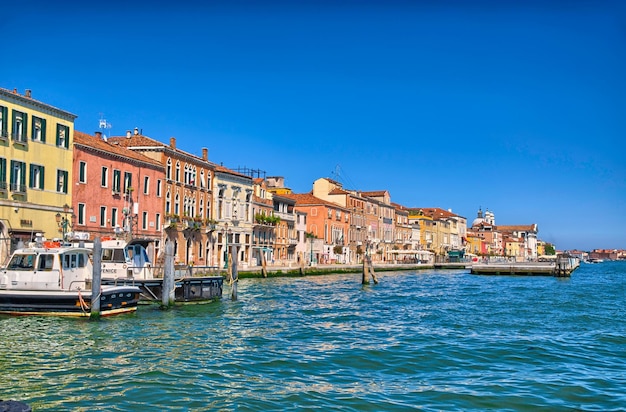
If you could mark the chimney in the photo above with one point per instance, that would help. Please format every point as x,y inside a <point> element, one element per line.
<point>14,91</point>
<point>98,135</point>
<point>205,153</point>
<point>136,131</point>
<point>28,93</point>
<point>128,134</point>
<point>173,142</point>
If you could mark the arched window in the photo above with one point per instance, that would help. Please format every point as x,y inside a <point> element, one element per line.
<point>168,169</point>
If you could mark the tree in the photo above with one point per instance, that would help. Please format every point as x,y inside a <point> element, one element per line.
<point>550,249</point>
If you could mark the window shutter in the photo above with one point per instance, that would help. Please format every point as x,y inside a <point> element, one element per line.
<point>23,174</point>
<point>43,131</point>
<point>31,177</point>
<point>43,178</point>
<point>25,127</point>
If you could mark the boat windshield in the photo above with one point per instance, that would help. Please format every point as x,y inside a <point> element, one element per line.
<point>137,254</point>
<point>22,262</point>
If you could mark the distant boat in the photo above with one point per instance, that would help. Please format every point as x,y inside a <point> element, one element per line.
<point>594,260</point>
<point>50,279</point>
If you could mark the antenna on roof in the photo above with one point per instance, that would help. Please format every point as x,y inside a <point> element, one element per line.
<point>340,176</point>
<point>104,125</point>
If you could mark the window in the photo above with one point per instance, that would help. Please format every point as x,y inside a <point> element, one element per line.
<point>146,185</point>
<point>104,179</point>
<point>63,136</point>
<point>158,221</point>
<point>178,171</point>
<point>18,176</point>
<point>36,177</point>
<point>168,169</point>
<point>81,213</point>
<point>62,182</point>
<point>117,177</point>
<point>168,203</point>
<point>39,129</point>
<point>82,172</point>
<point>158,187</point>
<point>128,182</point>
<point>3,173</point>
<point>3,122</point>
<point>144,220</point>
<point>103,216</point>
<point>20,125</point>
<point>113,217</point>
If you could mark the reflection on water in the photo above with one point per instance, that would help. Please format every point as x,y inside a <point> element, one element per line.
<point>436,340</point>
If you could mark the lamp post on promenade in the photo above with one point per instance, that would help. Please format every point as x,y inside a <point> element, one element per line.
<point>63,222</point>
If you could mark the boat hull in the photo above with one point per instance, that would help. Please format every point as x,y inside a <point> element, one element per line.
<point>113,301</point>
<point>188,289</point>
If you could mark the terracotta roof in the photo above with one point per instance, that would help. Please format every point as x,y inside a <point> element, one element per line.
<point>94,142</point>
<point>135,140</point>
<point>138,140</point>
<point>260,200</point>
<point>436,212</point>
<point>374,193</point>
<point>338,191</point>
<point>307,199</point>
<point>514,228</point>
<point>222,169</point>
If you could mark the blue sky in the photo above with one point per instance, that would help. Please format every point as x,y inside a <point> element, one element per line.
<point>517,108</point>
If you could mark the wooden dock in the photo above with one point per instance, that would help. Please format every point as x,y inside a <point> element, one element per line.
<point>563,266</point>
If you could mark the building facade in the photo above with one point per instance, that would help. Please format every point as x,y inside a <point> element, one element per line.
<point>35,170</point>
<point>117,192</point>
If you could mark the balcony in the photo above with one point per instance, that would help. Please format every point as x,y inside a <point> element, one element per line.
<point>20,138</point>
<point>18,188</point>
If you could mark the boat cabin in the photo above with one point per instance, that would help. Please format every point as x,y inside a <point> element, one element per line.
<point>126,259</point>
<point>42,268</point>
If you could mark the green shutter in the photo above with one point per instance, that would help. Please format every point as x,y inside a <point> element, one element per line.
<point>25,128</point>
<point>23,174</point>
<point>42,176</point>
<point>43,131</point>
<point>31,177</point>
<point>67,137</point>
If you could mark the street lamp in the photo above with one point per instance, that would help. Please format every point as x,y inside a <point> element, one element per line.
<point>63,222</point>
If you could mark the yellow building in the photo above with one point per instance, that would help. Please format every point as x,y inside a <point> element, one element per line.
<point>35,169</point>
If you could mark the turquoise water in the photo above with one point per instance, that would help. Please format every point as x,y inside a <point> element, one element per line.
<point>431,341</point>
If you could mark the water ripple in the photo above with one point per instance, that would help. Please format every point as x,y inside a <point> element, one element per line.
<point>430,341</point>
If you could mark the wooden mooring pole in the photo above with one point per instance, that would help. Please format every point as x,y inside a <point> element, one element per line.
<point>235,272</point>
<point>368,270</point>
<point>96,279</point>
<point>168,288</point>
<point>263,264</point>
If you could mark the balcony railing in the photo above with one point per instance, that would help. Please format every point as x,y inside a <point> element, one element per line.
<point>19,138</point>
<point>18,188</point>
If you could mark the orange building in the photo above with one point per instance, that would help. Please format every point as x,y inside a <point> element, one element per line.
<point>326,221</point>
